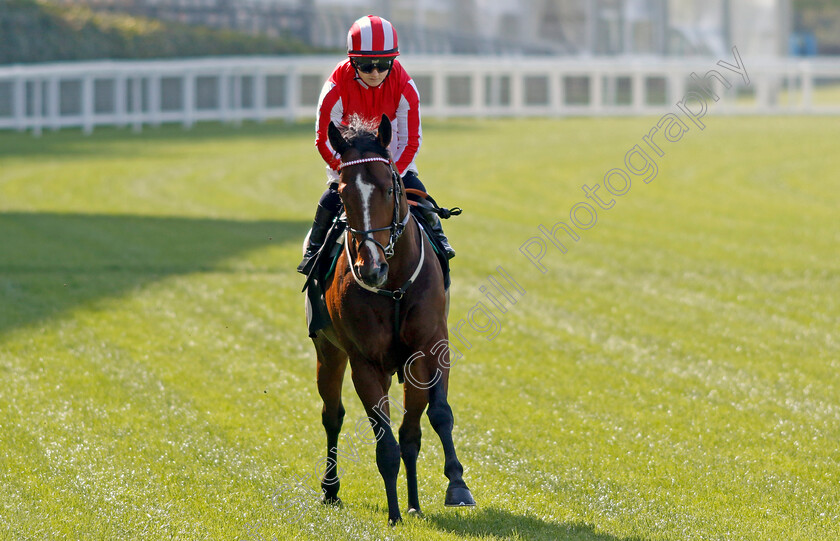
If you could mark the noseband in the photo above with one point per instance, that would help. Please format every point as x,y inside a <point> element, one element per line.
<point>397,226</point>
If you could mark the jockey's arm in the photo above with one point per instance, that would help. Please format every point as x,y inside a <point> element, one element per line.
<point>330,109</point>
<point>409,133</point>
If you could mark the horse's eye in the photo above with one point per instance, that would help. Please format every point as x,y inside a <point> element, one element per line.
<point>391,191</point>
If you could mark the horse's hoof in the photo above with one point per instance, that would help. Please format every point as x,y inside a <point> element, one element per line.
<point>334,501</point>
<point>394,521</point>
<point>413,512</point>
<point>459,497</point>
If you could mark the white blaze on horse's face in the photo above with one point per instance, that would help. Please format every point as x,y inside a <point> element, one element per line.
<point>366,190</point>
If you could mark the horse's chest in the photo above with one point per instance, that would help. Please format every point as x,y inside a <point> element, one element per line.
<point>368,325</point>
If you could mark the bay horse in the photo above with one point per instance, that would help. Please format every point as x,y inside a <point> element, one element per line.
<point>388,307</point>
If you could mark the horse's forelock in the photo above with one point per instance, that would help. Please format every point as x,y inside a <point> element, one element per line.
<point>359,124</point>
<point>360,133</point>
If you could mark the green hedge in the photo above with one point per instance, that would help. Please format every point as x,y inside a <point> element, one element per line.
<point>37,31</point>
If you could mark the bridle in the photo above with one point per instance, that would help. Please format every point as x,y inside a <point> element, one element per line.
<point>397,226</point>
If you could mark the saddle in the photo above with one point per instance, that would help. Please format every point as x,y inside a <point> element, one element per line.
<point>317,316</point>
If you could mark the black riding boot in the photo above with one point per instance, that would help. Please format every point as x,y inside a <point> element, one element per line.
<point>320,226</point>
<point>431,218</point>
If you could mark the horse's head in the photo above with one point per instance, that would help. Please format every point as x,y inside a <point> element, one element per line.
<point>371,194</point>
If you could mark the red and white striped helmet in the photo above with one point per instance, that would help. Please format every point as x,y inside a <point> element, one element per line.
<point>372,36</point>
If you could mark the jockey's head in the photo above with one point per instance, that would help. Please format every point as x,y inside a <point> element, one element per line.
<point>372,46</point>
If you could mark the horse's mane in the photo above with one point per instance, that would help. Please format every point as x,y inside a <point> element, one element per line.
<point>360,134</point>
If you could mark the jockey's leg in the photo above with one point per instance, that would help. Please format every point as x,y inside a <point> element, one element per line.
<point>410,180</point>
<point>324,216</point>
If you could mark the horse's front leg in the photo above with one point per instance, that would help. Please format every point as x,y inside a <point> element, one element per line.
<point>415,399</point>
<point>331,366</point>
<point>372,387</point>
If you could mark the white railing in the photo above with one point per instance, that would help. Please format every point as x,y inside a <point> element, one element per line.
<point>139,93</point>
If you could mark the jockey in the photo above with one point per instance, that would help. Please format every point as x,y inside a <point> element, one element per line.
<point>370,83</point>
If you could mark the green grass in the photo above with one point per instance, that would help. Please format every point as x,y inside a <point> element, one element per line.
<point>672,376</point>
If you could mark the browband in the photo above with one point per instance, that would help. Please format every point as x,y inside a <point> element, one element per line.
<point>363,160</point>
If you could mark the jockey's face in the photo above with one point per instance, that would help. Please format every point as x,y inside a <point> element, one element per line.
<point>373,78</point>
<point>372,72</point>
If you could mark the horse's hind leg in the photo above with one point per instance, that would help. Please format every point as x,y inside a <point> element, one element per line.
<point>330,374</point>
<point>415,402</point>
<point>442,421</point>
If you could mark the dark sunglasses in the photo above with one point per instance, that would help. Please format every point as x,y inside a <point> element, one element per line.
<point>367,65</point>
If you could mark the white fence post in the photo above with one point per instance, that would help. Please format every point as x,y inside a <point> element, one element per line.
<point>120,95</point>
<point>807,87</point>
<point>53,103</point>
<point>477,99</point>
<point>439,94</point>
<point>292,93</point>
<point>19,103</point>
<point>596,91</point>
<point>137,103</point>
<point>259,96</point>
<point>639,91</point>
<point>676,87</point>
<point>224,79</point>
<point>554,94</point>
<point>517,92</point>
<point>37,106</point>
<point>87,104</point>
<point>236,106</point>
<point>188,100</point>
<point>153,82</point>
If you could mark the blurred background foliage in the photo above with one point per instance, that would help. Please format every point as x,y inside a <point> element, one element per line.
<point>38,31</point>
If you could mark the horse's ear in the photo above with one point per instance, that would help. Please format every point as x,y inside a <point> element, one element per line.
<point>336,139</point>
<point>384,134</point>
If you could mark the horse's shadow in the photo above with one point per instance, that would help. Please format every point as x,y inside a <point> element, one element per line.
<point>51,263</point>
<point>497,523</point>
